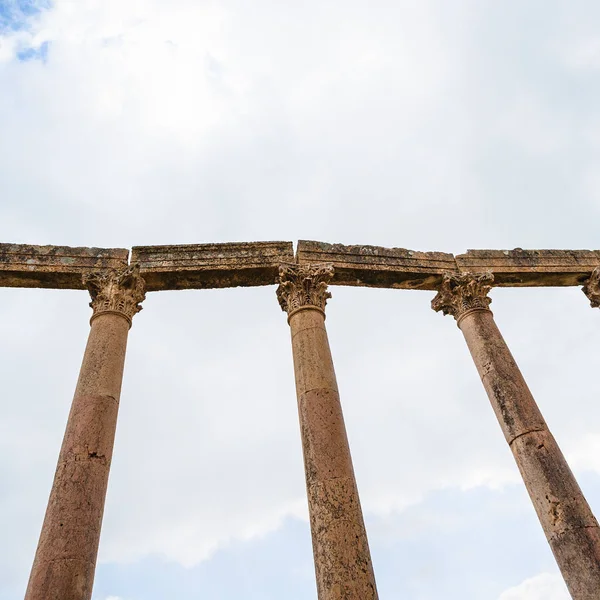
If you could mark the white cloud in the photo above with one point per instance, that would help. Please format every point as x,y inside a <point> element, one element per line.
<point>585,454</point>
<point>583,54</point>
<point>545,586</point>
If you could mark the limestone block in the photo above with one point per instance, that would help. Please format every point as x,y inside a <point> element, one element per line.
<point>518,267</point>
<point>198,266</point>
<point>22,265</point>
<point>375,266</point>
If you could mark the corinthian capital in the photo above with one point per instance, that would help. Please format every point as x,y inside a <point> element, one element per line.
<point>115,291</point>
<point>461,293</point>
<point>591,288</point>
<point>303,285</point>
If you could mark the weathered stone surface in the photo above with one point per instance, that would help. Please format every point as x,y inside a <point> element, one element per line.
<point>59,267</point>
<point>197,266</point>
<point>194,266</point>
<point>461,293</point>
<point>341,551</point>
<point>568,522</point>
<point>303,285</point>
<point>65,560</point>
<point>516,268</point>
<point>375,266</point>
<point>119,292</point>
<point>591,288</point>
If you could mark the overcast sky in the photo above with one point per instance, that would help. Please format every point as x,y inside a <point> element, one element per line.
<point>425,124</point>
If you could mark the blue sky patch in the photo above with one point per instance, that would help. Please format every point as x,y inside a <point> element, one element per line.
<point>31,53</point>
<point>15,16</point>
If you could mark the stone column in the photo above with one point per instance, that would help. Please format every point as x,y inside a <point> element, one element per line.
<point>65,559</point>
<point>570,527</point>
<point>340,548</point>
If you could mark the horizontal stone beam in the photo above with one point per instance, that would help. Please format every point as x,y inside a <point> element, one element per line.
<point>520,268</point>
<point>198,266</point>
<point>60,267</point>
<point>375,266</point>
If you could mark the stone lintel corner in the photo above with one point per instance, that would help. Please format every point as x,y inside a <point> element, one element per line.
<point>531,268</point>
<point>59,267</point>
<point>199,266</point>
<point>375,266</point>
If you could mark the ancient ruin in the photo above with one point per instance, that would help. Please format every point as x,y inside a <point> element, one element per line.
<point>118,280</point>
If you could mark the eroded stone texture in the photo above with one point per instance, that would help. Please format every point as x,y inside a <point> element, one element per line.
<point>518,267</point>
<point>375,266</point>
<point>591,288</point>
<point>198,266</point>
<point>23,265</point>
<point>119,292</point>
<point>570,527</point>
<point>461,293</point>
<point>304,285</point>
<point>65,559</point>
<point>340,547</point>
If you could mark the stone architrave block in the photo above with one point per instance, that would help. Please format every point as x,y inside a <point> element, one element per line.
<point>520,268</point>
<point>375,266</point>
<point>60,267</point>
<point>199,266</point>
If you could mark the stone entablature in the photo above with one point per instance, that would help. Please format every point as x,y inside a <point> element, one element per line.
<point>525,268</point>
<point>59,267</point>
<point>374,266</point>
<point>199,266</point>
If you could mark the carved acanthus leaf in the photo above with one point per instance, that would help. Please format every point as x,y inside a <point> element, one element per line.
<point>463,292</point>
<point>303,285</point>
<point>116,291</point>
<point>591,288</point>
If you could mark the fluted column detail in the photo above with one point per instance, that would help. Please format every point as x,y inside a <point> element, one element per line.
<point>65,559</point>
<point>340,547</point>
<point>570,527</point>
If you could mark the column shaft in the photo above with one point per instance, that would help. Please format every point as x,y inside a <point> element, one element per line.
<point>570,527</point>
<point>65,559</point>
<point>341,551</point>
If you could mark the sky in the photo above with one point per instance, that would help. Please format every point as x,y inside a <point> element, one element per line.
<point>419,124</point>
